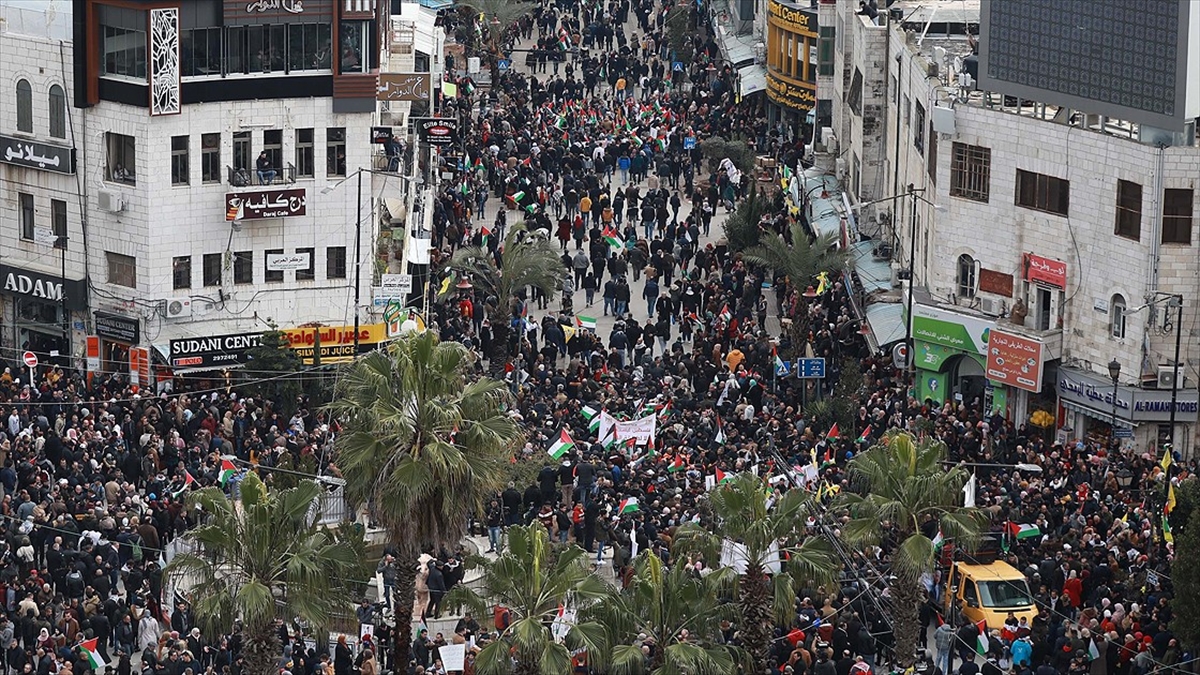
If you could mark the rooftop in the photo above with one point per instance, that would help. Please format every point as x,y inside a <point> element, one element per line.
<point>49,19</point>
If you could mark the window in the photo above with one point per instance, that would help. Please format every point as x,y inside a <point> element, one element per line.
<point>122,269</point>
<point>335,151</point>
<point>58,222</point>
<point>1177,216</point>
<point>335,262</point>
<point>273,146</point>
<point>181,272</point>
<point>243,267</point>
<point>24,106</point>
<point>269,274</point>
<point>968,276</point>
<point>57,101</point>
<point>212,269</point>
<point>121,166</point>
<point>242,153</point>
<point>919,127</point>
<point>1043,193</point>
<point>255,49</point>
<point>200,52</point>
<point>179,160</point>
<point>28,220</point>
<point>907,110</point>
<point>122,42</point>
<point>309,273</point>
<point>1116,316</point>
<point>1129,210</point>
<point>210,158</point>
<point>304,153</point>
<point>308,46</point>
<point>355,46</point>
<point>970,171</point>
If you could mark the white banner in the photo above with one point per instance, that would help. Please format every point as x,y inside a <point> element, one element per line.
<point>279,262</point>
<point>453,657</point>
<point>643,430</point>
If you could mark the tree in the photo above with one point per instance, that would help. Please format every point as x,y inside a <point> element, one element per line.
<point>738,152</point>
<point>895,487</point>
<point>258,554</point>
<point>494,17</point>
<point>800,259</point>
<point>1185,579</point>
<point>680,26</point>
<point>675,608</point>
<point>534,581</point>
<point>272,361</point>
<point>763,529</point>
<point>742,229</point>
<point>423,445</point>
<point>527,259</point>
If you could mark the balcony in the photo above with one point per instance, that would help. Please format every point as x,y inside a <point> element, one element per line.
<point>239,178</point>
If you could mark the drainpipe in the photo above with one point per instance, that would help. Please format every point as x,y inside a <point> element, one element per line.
<point>1156,224</point>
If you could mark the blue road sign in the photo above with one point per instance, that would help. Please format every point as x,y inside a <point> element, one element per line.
<point>810,368</point>
<point>689,142</point>
<point>1122,432</point>
<point>677,66</point>
<point>503,64</point>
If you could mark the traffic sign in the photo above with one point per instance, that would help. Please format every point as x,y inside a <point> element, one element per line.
<point>689,142</point>
<point>30,359</point>
<point>1122,432</point>
<point>677,66</point>
<point>810,369</point>
<point>503,64</point>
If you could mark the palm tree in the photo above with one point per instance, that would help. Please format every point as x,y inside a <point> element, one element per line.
<point>423,445</point>
<point>534,581</point>
<point>800,259</point>
<point>761,528</point>
<point>260,553</point>
<point>495,16</point>
<point>895,487</point>
<point>675,608</point>
<point>527,259</point>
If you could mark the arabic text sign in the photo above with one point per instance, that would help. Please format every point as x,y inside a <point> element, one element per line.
<point>1015,361</point>
<point>959,331</point>
<point>22,152</point>
<point>278,262</point>
<point>403,87</point>
<point>256,204</point>
<point>641,429</point>
<point>396,284</point>
<point>1045,270</point>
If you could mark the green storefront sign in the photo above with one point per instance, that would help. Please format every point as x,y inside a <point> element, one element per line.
<point>955,335</point>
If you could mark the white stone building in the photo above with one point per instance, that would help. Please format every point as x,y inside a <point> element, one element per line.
<point>1079,218</point>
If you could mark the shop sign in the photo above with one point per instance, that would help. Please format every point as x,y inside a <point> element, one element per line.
<point>792,19</point>
<point>34,155</point>
<point>43,286</point>
<point>118,328</point>
<point>437,130</point>
<point>217,350</point>
<point>1046,271</point>
<point>1014,360</point>
<point>403,87</point>
<point>1136,405</point>
<point>245,12</point>
<point>337,342</point>
<point>257,204</point>
<point>957,331</point>
<point>931,356</point>
<point>93,353</point>
<point>791,95</point>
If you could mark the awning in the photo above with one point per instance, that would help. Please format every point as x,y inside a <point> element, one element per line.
<point>886,321</point>
<point>738,49</point>
<point>752,79</point>
<point>1097,414</point>
<point>874,275</point>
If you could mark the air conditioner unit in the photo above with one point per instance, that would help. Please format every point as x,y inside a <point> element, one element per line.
<point>1170,377</point>
<point>177,308</point>
<point>991,306</point>
<point>110,201</point>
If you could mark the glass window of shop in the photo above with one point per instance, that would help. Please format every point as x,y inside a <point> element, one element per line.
<point>789,54</point>
<point>39,327</point>
<point>287,48</point>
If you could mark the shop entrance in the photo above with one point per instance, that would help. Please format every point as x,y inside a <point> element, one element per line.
<point>38,329</point>
<point>967,378</point>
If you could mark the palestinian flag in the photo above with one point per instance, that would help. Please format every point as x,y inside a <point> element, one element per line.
<point>981,643</point>
<point>484,233</point>
<point>478,163</point>
<point>610,236</point>
<point>563,41</point>
<point>561,122</point>
<point>676,464</point>
<point>592,416</point>
<point>938,541</point>
<point>721,476</point>
<point>833,432</point>
<point>91,652</point>
<point>187,483</point>
<point>661,144</point>
<point>587,322</point>
<point>516,197</point>
<point>228,471</point>
<point>726,315</point>
<point>827,460</point>
<point>561,445</point>
<point>664,412</point>
<point>1025,531</point>
<point>720,436</point>
<point>1093,650</point>
<point>865,436</point>
<point>629,505</point>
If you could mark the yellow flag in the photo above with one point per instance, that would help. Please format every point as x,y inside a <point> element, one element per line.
<point>568,332</point>
<point>1170,499</point>
<point>1166,460</point>
<point>449,89</point>
<point>446,284</point>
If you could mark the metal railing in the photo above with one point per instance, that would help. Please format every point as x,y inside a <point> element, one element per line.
<point>241,177</point>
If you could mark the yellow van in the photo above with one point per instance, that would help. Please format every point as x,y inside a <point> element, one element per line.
<point>988,592</point>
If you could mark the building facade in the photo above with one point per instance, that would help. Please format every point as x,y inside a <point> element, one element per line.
<point>1044,242</point>
<point>791,61</point>
<point>222,140</point>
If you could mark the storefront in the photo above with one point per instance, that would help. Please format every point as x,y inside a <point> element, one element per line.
<point>117,334</point>
<point>791,64</point>
<point>228,352</point>
<point>1087,407</point>
<point>336,342</point>
<point>34,312</point>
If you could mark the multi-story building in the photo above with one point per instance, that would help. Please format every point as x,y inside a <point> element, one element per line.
<point>221,140</point>
<point>1040,223</point>
<point>43,293</point>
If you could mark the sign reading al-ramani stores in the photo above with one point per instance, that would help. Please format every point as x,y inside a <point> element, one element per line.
<point>802,97</point>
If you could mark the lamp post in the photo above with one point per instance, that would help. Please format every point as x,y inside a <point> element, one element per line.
<point>1114,372</point>
<point>912,277</point>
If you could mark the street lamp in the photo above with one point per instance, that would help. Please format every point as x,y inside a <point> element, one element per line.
<point>1114,372</point>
